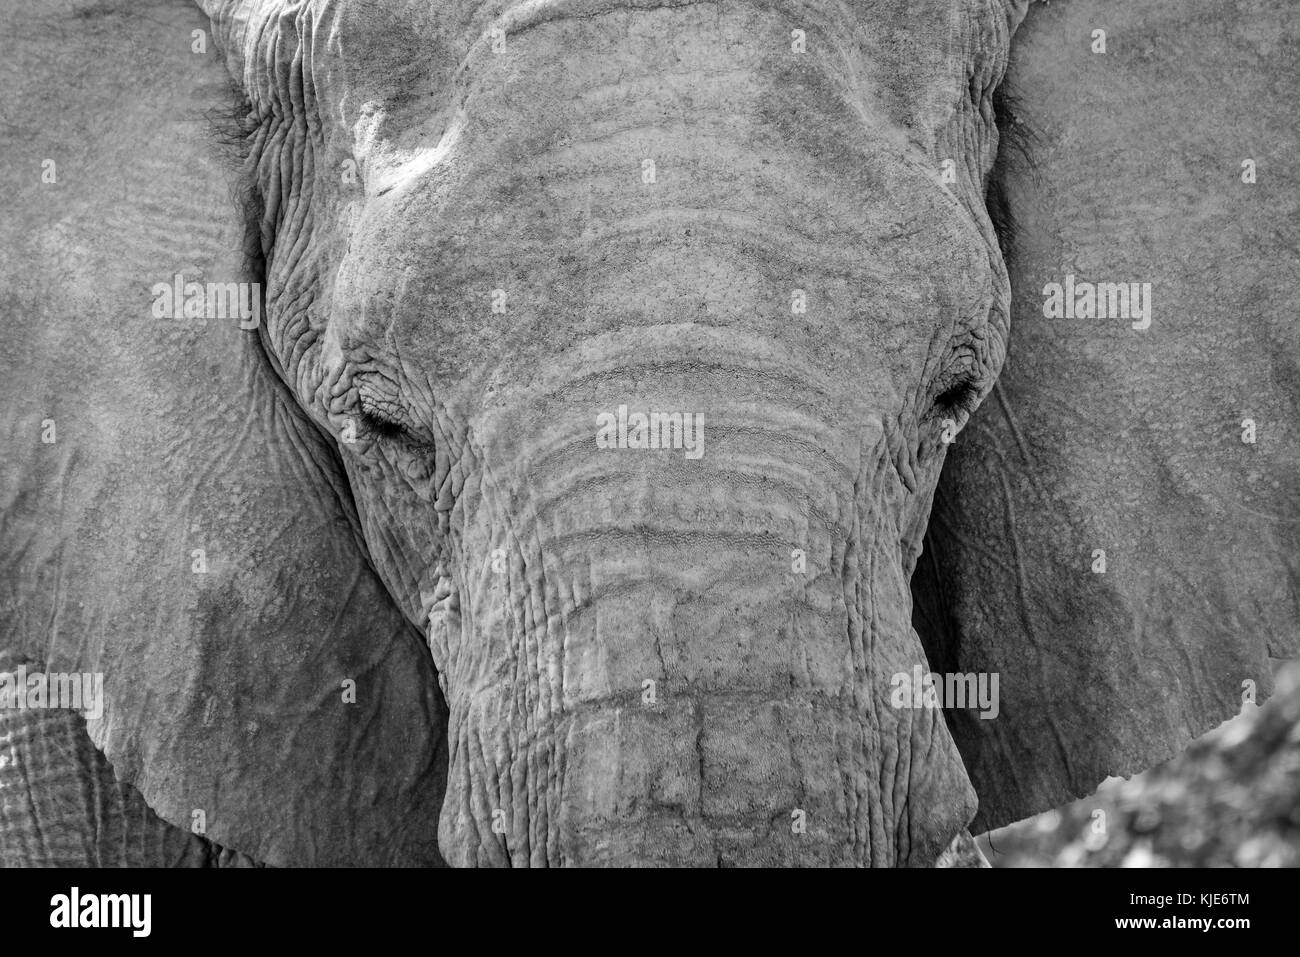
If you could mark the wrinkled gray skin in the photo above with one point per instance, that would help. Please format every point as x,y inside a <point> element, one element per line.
<point>564,654</point>
<point>775,171</point>
<point>553,579</point>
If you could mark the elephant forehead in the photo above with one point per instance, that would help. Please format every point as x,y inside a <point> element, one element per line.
<point>898,68</point>
<point>817,226</point>
<point>472,273</point>
<point>919,51</point>
<point>577,174</point>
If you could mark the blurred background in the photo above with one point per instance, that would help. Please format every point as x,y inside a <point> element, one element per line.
<point>1230,800</point>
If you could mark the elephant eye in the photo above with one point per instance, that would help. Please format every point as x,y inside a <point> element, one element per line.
<point>383,416</point>
<point>379,424</point>
<point>958,397</point>
<point>380,416</point>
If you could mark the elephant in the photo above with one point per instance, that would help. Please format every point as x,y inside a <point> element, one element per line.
<point>598,432</point>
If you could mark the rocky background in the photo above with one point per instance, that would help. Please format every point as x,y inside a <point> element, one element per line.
<point>1230,800</point>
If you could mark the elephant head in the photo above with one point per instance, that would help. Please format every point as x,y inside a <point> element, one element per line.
<point>557,498</point>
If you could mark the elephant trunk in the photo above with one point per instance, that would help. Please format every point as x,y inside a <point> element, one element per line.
<point>681,655</point>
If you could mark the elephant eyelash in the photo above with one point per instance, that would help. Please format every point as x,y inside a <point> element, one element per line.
<point>958,397</point>
<point>380,425</point>
<point>384,419</point>
<point>380,417</point>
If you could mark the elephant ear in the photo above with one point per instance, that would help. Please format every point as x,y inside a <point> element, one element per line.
<point>1117,532</point>
<point>171,519</point>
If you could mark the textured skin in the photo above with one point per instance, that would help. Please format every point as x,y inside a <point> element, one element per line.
<point>223,688</point>
<point>554,580</point>
<point>521,169</point>
<point>60,805</point>
<point>1101,436</point>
